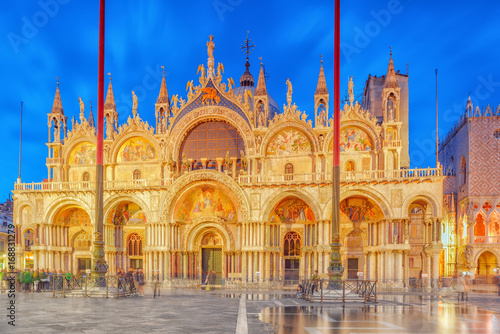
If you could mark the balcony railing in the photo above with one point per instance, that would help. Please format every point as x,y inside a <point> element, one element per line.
<point>392,143</point>
<point>487,239</point>
<point>345,177</point>
<point>378,176</point>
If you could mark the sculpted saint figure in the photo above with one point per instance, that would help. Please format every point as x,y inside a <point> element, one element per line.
<point>351,90</point>
<point>210,46</point>
<point>82,105</point>
<point>134,101</point>
<point>289,91</point>
<point>243,160</point>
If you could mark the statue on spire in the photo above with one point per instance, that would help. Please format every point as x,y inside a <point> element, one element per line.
<point>210,46</point>
<point>82,109</point>
<point>351,91</point>
<point>289,92</point>
<point>134,103</point>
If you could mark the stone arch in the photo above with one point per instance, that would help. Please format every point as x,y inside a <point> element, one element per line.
<point>123,139</point>
<point>276,128</point>
<point>77,234</point>
<point>115,200</point>
<point>493,251</point>
<point>63,203</point>
<point>362,234</point>
<point>203,225</point>
<point>360,123</point>
<point>194,178</point>
<point>427,197</point>
<point>211,113</point>
<point>20,210</point>
<point>371,194</point>
<point>277,196</point>
<point>70,148</point>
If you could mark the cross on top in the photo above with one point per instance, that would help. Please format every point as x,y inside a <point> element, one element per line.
<point>248,45</point>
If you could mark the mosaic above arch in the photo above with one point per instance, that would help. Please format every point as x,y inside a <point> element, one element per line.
<point>126,213</point>
<point>356,209</point>
<point>353,139</point>
<point>136,149</point>
<point>290,210</point>
<point>203,201</point>
<point>83,153</point>
<point>73,217</point>
<point>289,141</point>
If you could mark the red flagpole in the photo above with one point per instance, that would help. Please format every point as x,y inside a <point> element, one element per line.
<point>335,270</point>
<point>99,265</point>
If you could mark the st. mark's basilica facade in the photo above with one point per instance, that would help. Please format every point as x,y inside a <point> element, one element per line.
<point>226,180</point>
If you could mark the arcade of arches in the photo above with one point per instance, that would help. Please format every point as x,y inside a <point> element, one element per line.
<point>227,181</point>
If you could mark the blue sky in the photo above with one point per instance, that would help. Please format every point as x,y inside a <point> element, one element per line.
<point>44,39</point>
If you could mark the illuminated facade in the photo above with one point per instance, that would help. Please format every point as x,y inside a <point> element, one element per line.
<point>227,181</point>
<point>471,219</point>
<point>6,209</point>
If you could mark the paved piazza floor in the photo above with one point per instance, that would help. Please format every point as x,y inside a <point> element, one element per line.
<point>193,311</point>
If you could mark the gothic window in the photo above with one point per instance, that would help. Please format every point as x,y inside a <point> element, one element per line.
<point>86,177</point>
<point>391,116</point>
<point>349,166</point>
<point>134,245</point>
<point>137,174</point>
<point>463,167</point>
<point>479,227</point>
<point>212,140</point>
<point>29,238</point>
<point>291,244</point>
<point>288,172</point>
<point>496,134</point>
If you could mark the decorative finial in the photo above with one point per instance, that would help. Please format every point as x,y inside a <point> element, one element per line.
<point>109,73</point>
<point>321,56</point>
<point>90,106</point>
<point>390,48</point>
<point>261,63</point>
<point>163,67</point>
<point>247,46</point>
<point>57,78</point>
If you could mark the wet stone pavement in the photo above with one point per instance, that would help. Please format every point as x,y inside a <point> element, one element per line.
<point>195,311</point>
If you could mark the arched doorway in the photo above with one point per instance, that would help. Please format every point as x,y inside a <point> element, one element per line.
<point>291,253</point>
<point>29,239</point>
<point>486,265</point>
<point>211,256</point>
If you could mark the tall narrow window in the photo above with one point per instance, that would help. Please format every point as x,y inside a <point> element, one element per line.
<point>288,172</point>
<point>134,245</point>
<point>86,177</point>
<point>137,174</point>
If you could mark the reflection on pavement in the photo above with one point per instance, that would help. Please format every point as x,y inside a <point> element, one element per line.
<point>393,314</point>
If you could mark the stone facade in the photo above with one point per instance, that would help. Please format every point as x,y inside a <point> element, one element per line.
<point>227,181</point>
<point>471,226</point>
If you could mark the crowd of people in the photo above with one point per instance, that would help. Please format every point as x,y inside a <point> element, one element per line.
<point>40,280</point>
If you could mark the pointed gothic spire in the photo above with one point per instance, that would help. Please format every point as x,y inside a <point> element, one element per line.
<point>321,87</point>
<point>261,83</point>
<point>163,97</point>
<point>57,107</point>
<point>110,98</point>
<point>390,79</point>
<point>91,114</point>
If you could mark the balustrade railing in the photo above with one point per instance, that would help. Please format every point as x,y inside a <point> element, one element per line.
<point>303,178</point>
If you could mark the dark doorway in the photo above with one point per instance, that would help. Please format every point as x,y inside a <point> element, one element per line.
<point>352,268</point>
<point>83,265</point>
<point>211,259</point>
<point>292,271</point>
<point>135,263</point>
